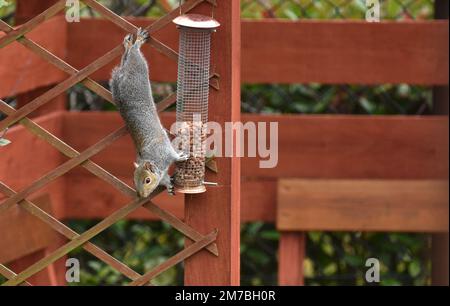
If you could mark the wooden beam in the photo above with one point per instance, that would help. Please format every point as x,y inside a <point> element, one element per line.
<point>219,207</point>
<point>258,198</point>
<point>379,147</point>
<point>382,147</point>
<point>291,256</point>
<point>368,53</point>
<point>350,52</point>
<point>363,205</point>
<point>361,147</point>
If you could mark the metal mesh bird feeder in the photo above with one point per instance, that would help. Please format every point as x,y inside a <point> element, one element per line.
<point>192,98</point>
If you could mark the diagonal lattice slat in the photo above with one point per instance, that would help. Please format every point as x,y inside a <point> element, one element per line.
<point>82,159</point>
<point>69,233</point>
<point>166,103</point>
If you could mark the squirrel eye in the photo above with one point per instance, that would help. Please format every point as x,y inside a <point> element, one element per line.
<point>148,180</point>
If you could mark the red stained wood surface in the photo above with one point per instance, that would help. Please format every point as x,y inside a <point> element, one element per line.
<point>363,205</point>
<point>368,53</point>
<point>291,255</point>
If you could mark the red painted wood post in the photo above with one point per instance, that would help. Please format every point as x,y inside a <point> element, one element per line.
<point>440,242</point>
<point>26,10</point>
<point>291,256</point>
<point>219,207</point>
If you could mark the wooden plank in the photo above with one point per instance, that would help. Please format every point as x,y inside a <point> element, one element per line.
<point>92,38</point>
<point>219,207</point>
<point>358,146</point>
<point>388,147</point>
<point>410,52</point>
<point>291,255</point>
<point>382,147</point>
<point>363,205</point>
<point>23,234</point>
<point>355,52</point>
<point>258,198</point>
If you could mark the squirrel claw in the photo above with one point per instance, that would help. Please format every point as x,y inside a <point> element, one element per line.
<point>182,156</point>
<point>171,190</point>
<point>142,36</point>
<point>128,41</point>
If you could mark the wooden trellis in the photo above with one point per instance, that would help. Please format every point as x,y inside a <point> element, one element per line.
<point>83,158</point>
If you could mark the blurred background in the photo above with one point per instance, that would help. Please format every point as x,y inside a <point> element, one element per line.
<point>332,257</point>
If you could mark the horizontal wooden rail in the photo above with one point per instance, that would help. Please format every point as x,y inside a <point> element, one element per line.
<point>275,51</point>
<point>363,205</point>
<point>391,147</point>
<point>333,52</point>
<point>323,147</point>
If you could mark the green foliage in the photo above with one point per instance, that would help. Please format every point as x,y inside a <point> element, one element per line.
<point>7,8</point>
<point>140,245</point>
<point>335,9</point>
<point>336,99</point>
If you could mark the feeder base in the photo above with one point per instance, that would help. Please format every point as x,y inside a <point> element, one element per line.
<point>190,190</point>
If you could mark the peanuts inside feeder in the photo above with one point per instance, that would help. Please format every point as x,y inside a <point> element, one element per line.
<point>192,98</point>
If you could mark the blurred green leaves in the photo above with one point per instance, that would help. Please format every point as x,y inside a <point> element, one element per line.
<point>336,99</point>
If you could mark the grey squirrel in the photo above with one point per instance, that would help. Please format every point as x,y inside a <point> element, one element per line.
<point>132,93</point>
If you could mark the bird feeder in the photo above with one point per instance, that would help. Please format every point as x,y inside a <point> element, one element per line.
<point>192,98</point>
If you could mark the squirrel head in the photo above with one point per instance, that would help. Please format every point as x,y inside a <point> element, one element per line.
<point>146,178</point>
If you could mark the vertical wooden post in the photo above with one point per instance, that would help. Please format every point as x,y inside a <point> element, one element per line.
<point>291,256</point>
<point>440,242</point>
<point>219,207</point>
<point>26,10</point>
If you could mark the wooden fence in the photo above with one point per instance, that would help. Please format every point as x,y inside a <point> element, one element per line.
<point>356,173</point>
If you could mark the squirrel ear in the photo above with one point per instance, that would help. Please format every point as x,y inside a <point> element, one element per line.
<point>149,166</point>
<point>135,165</point>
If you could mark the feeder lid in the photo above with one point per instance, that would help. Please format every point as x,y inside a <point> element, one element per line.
<point>196,21</point>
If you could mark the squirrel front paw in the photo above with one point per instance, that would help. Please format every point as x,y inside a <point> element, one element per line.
<point>182,156</point>
<point>141,36</point>
<point>128,41</point>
